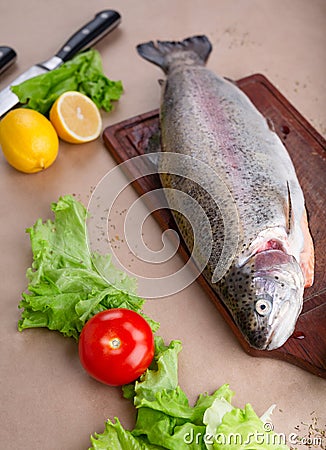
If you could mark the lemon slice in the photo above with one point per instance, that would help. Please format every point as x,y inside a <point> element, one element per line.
<point>28,140</point>
<point>76,118</point>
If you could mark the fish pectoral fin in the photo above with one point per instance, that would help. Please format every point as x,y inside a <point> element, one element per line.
<point>307,255</point>
<point>307,258</point>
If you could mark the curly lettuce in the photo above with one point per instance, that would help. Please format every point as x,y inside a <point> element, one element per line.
<point>166,420</point>
<point>67,283</point>
<point>83,73</point>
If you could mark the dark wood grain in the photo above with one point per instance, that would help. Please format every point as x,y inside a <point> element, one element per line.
<point>306,348</point>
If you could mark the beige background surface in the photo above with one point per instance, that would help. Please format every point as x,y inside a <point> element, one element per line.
<point>47,401</point>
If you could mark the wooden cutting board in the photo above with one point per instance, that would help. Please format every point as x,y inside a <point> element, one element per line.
<point>307,346</point>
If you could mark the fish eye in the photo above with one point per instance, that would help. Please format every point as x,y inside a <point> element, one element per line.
<point>263,306</point>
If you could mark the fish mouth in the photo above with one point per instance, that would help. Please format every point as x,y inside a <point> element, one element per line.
<point>284,327</point>
<point>280,329</point>
<point>278,338</point>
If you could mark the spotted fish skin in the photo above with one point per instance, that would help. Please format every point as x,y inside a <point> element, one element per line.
<point>209,119</point>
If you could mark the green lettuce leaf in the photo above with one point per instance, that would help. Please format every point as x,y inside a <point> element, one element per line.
<point>165,420</point>
<point>162,373</point>
<point>153,426</point>
<point>83,73</point>
<point>168,432</point>
<point>240,429</point>
<point>67,283</point>
<point>158,387</point>
<point>213,416</point>
<point>115,437</point>
<point>164,416</point>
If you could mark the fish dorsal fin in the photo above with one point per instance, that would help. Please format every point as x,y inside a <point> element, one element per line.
<point>289,210</point>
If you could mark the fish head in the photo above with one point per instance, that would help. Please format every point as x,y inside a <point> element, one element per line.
<point>266,298</point>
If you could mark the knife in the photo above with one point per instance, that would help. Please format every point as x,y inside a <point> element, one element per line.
<point>85,37</point>
<point>7,57</point>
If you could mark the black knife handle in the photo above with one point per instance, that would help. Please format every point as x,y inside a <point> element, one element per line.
<point>7,57</point>
<point>89,34</point>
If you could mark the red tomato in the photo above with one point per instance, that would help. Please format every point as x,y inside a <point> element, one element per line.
<point>116,346</point>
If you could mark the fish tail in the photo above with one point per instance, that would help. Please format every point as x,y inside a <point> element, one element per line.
<point>160,52</point>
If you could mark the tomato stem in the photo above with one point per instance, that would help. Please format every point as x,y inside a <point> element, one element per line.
<point>115,343</point>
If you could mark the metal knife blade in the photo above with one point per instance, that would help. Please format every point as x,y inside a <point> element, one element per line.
<point>85,37</point>
<point>7,57</point>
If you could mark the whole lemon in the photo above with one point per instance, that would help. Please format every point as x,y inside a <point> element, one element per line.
<point>28,139</point>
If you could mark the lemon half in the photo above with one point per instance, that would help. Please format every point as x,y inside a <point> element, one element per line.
<point>76,118</point>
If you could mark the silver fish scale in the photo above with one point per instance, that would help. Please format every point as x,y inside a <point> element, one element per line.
<point>210,119</point>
